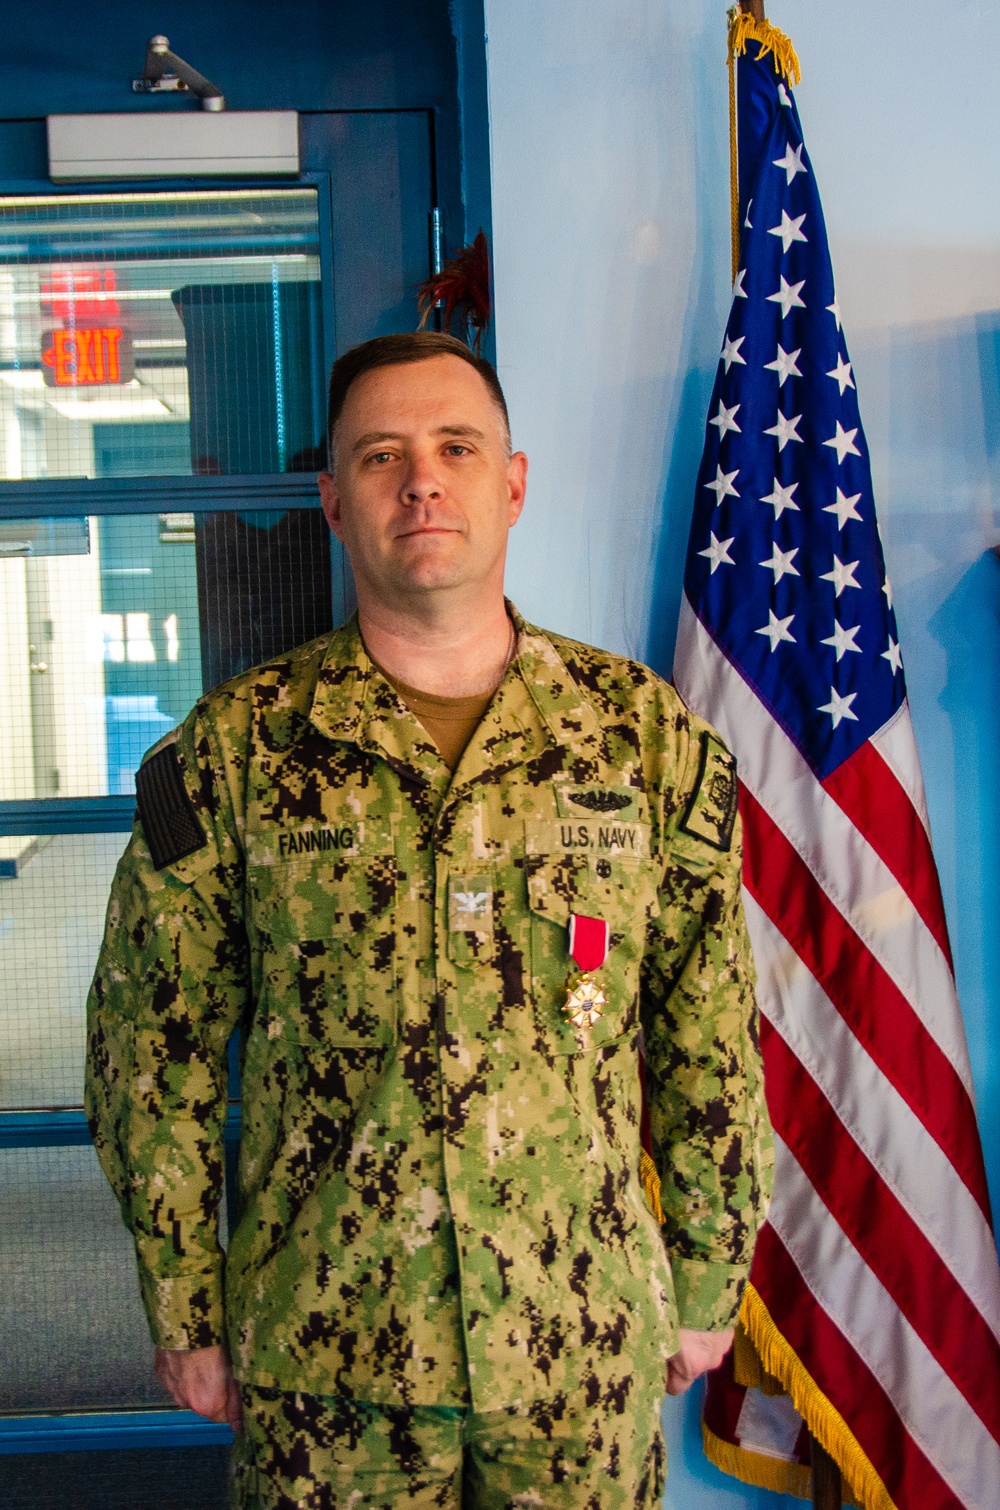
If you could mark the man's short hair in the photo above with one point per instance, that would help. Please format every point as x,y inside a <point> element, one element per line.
<point>393,351</point>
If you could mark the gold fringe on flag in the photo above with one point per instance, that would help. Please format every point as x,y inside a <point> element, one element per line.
<point>824,1421</point>
<point>650,1181</point>
<point>756,1468</point>
<point>743,29</point>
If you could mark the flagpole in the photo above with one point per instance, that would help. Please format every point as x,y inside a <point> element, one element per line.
<point>826,1478</point>
<point>826,1481</point>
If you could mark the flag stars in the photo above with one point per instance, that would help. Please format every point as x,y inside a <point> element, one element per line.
<point>731,352</point>
<point>718,552</point>
<point>841,575</point>
<point>722,487</point>
<point>784,96</point>
<point>781,563</point>
<point>746,220</point>
<point>777,630</point>
<point>789,230</point>
<point>791,161</point>
<point>842,442</point>
<point>788,296</point>
<point>781,498</point>
<point>844,508</point>
<point>834,309</point>
<point>839,707</point>
<point>739,292</point>
<point>842,374</point>
<point>725,420</point>
<point>784,365</point>
<point>887,589</point>
<point>842,640</point>
<point>784,429</point>
<point>893,655</point>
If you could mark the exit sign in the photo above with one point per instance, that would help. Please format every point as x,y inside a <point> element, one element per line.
<point>78,358</point>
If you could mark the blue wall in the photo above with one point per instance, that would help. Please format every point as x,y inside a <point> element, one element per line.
<point>610,212</point>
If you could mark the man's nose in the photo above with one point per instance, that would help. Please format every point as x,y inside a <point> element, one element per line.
<point>422,480</point>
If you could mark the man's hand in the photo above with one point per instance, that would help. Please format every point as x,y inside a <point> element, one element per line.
<point>698,1352</point>
<point>201,1380</point>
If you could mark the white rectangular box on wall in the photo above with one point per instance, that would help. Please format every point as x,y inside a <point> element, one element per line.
<point>196,143</point>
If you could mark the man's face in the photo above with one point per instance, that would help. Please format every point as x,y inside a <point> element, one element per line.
<point>423,494</point>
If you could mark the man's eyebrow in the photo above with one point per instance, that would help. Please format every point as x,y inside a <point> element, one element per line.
<point>373,437</point>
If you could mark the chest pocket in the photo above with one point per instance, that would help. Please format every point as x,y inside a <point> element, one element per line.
<point>326,929</point>
<point>620,889</point>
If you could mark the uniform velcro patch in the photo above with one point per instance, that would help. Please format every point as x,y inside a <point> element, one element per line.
<point>169,820</point>
<point>711,812</point>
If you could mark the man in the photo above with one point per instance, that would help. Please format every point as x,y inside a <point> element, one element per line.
<point>448,874</point>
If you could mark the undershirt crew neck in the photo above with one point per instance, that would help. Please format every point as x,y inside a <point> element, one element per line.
<point>450,721</point>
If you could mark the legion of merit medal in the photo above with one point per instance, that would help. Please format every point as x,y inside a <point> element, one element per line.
<point>589,941</point>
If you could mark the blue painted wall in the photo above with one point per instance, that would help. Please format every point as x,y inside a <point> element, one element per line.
<point>610,211</point>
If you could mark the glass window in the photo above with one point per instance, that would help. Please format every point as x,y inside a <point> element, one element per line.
<point>160,334</point>
<point>112,627</point>
<point>53,896</point>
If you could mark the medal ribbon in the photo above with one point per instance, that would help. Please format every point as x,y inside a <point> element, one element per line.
<point>589,941</point>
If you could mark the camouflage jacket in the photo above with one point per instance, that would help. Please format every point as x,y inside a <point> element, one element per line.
<point>439,1174</point>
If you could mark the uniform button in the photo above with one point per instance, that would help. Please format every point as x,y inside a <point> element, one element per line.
<point>603,869</point>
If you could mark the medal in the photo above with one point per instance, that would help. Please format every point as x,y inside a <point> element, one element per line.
<point>589,942</point>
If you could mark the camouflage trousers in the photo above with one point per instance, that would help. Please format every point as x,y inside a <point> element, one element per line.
<point>315,1452</point>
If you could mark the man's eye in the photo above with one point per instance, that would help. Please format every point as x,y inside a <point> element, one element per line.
<point>380,456</point>
<point>458,450</point>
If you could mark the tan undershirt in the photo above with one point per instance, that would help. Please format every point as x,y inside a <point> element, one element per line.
<point>450,721</point>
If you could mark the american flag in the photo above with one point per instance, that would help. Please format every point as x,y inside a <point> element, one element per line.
<point>875,1293</point>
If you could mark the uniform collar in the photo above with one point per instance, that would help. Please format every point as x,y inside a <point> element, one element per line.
<point>538,705</point>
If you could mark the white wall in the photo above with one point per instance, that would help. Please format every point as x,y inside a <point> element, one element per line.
<point>611,246</point>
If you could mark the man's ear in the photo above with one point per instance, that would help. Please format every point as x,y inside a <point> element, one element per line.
<point>517,485</point>
<point>330,498</point>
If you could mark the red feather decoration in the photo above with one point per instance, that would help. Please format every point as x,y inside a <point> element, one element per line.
<point>462,287</point>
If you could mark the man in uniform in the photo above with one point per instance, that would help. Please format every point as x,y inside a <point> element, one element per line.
<point>451,877</point>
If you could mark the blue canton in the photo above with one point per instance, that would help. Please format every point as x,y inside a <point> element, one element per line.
<point>785,566</point>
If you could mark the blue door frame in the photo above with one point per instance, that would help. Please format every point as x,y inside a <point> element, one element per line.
<point>352,109</point>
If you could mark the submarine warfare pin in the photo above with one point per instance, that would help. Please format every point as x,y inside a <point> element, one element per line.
<point>589,942</point>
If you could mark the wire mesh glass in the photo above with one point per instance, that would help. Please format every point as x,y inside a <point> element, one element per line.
<point>51,922</point>
<point>72,1330</point>
<point>160,334</point>
<point>111,628</point>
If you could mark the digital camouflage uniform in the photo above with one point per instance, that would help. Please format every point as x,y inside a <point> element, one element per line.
<point>439,1175</point>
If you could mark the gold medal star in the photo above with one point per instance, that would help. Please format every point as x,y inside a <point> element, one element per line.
<point>584,1003</point>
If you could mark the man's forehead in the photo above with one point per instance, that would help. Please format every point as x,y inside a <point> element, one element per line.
<point>422,387</point>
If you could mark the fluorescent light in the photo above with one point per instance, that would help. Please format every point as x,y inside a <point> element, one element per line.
<point>22,377</point>
<point>157,344</point>
<point>111,408</point>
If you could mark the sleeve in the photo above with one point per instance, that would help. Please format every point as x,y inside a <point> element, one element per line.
<point>711,1134</point>
<point>171,985</point>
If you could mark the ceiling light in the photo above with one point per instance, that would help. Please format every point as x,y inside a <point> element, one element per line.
<point>111,408</point>
<point>22,377</point>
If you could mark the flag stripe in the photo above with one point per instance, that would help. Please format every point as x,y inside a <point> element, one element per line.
<point>898,748</point>
<point>928,1401</point>
<point>846,1380</point>
<point>846,866</point>
<point>869,792</point>
<point>862,992</point>
<point>885,1235</point>
<point>878,1118</point>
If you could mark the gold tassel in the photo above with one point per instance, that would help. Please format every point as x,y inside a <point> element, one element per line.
<point>823,1419</point>
<point>650,1181</point>
<point>743,29</point>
